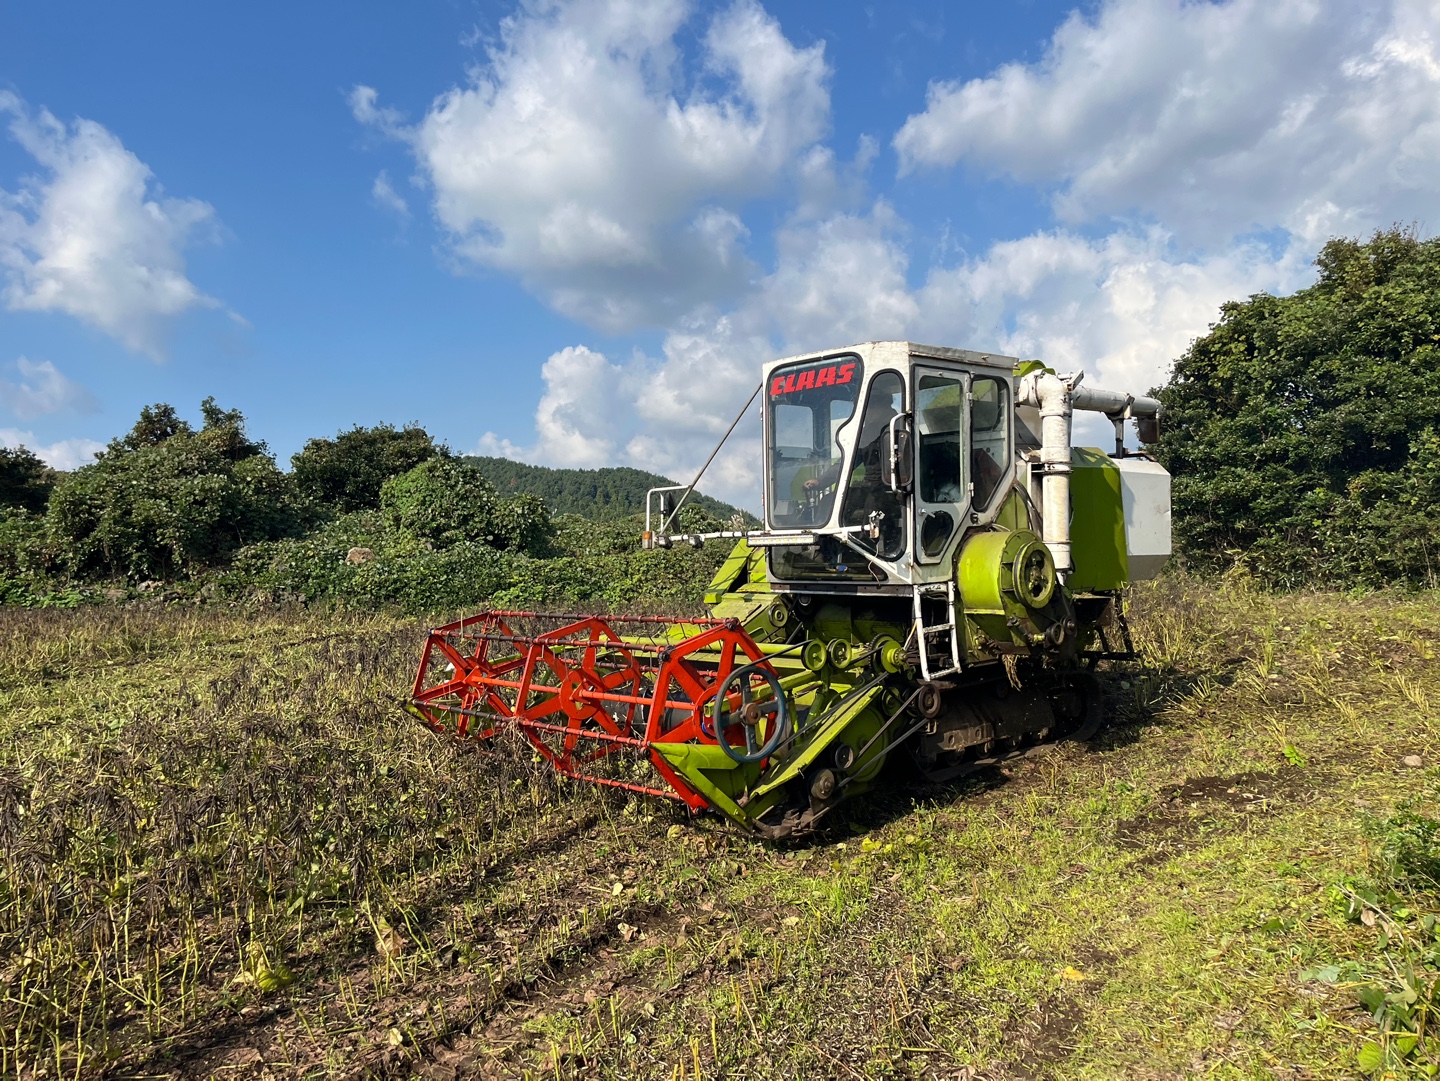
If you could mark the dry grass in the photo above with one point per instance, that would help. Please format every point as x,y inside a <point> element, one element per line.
<point>223,850</point>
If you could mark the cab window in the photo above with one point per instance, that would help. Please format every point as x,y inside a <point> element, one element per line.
<point>940,460</point>
<point>939,408</point>
<point>867,492</point>
<point>807,405</point>
<point>989,437</point>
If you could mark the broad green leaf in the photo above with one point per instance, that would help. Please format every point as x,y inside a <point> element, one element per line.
<point>1370,1058</point>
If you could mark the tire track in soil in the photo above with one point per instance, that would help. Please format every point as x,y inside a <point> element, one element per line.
<point>463,1050</point>
<point>1180,814</point>
<point>535,982</point>
<point>571,977</point>
<point>200,1052</point>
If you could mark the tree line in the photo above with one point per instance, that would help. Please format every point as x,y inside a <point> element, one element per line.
<point>375,515</point>
<point>1302,432</point>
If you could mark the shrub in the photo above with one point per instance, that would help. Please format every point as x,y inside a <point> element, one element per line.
<point>166,500</point>
<point>1406,850</point>
<point>25,481</point>
<point>1301,431</point>
<point>348,471</point>
<point>444,502</point>
<point>594,565</point>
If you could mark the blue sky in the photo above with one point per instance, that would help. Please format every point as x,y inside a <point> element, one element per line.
<point>570,231</point>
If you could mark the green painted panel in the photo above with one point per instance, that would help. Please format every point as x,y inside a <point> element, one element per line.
<point>981,562</point>
<point>1097,523</point>
<point>736,564</point>
<point>1014,513</point>
<point>713,774</point>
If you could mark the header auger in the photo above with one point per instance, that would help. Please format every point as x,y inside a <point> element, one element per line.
<point>938,571</point>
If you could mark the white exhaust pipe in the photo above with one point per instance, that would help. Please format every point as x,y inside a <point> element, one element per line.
<point>1057,397</point>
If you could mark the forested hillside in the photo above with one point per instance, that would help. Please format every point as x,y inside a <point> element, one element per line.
<point>617,492</point>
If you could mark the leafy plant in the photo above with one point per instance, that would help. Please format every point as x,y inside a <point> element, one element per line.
<point>444,502</point>
<point>1402,991</point>
<point>1406,850</point>
<point>347,472</point>
<point>1301,431</point>
<point>25,481</point>
<point>166,500</point>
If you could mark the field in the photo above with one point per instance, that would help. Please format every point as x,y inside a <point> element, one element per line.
<point>224,851</point>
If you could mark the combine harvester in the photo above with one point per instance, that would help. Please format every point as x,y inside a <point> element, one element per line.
<point>939,570</point>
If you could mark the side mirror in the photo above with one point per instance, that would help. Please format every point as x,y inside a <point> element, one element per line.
<point>1148,429</point>
<point>897,467</point>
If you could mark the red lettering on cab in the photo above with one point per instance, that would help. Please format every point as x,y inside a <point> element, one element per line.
<point>812,378</point>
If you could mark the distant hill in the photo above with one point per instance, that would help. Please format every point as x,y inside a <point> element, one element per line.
<point>594,493</point>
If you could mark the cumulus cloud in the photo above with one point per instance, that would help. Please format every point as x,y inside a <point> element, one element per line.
<point>93,237</point>
<point>584,158</point>
<point>1315,116</point>
<point>1121,307</point>
<point>63,454</point>
<point>43,389</point>
<point>1196,152</point>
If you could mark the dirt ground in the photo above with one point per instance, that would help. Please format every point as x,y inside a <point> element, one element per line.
<point>225,852</point>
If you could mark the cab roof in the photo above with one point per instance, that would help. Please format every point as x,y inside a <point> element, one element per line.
<point>893,351</point>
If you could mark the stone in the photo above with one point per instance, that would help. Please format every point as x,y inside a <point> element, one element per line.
<point>148,586</point>
<point>1414,761</point>
<point>356,556</point>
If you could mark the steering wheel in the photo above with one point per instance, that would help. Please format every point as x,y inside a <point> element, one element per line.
<point>750,719</point>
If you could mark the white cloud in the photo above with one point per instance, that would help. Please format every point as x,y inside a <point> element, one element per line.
<point>1171,133</point>
<point>91,238</point>
<point>580,412</point>
<point>385,196</point>
<point>64,454</point>
<point>1315,116</point>
<point>43,389</point>
<point>581,158</point>
<point>1121,307</point>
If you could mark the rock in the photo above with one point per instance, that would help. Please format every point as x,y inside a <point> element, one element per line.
<point>148,586</point>
<point>1414,761</point>
<point>113,595</point>
<point>356,556</point>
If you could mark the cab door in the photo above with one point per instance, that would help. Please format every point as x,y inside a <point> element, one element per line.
<point>941,419</point>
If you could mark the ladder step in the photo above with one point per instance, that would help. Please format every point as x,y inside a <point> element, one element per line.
<point>938,628</point>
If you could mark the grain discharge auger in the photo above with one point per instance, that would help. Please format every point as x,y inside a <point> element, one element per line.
<point>937,572</point>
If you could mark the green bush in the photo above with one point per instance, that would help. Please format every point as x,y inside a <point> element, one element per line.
<point>25,481</point>
<point>598,566</point>
<point>445,502</point>
<point>166,500</point>
<point>347,472</point>
<point>1301,431</point>
<point>1406,850</point>
<point>22,543</point>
